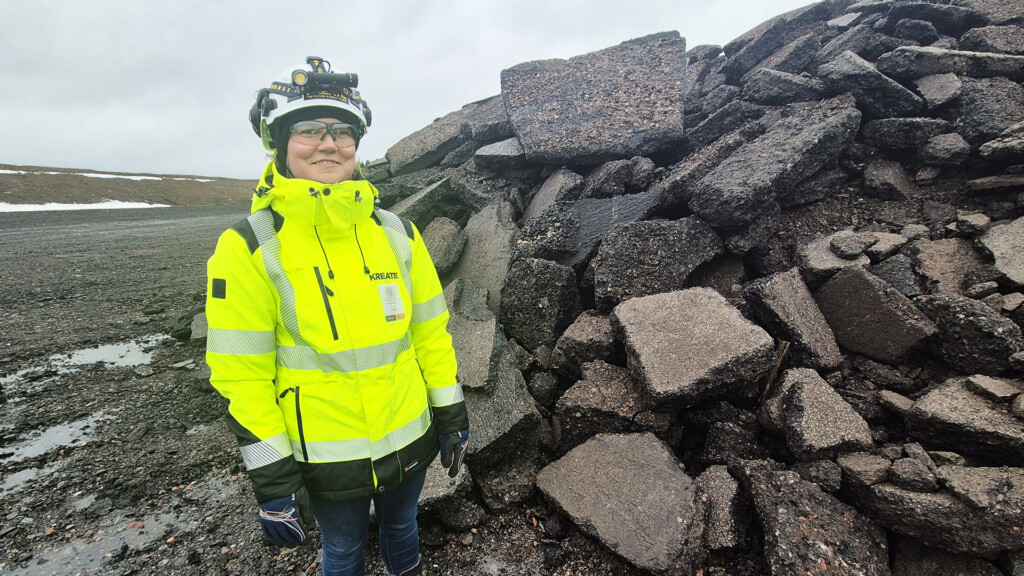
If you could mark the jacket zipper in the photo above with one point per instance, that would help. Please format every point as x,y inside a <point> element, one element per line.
<point>326,293</point>
<point>298,420</point>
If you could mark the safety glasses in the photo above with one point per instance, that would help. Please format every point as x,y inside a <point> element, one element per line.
<point>312,132</point>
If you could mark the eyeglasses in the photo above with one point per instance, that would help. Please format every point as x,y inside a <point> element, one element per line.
<point>312,132</point>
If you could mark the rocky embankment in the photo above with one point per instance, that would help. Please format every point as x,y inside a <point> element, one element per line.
<point>756,305</point>
<point>752,309</point>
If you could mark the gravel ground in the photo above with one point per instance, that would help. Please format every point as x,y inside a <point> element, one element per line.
<point>114,456</point>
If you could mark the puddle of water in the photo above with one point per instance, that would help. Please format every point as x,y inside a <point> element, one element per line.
<point>57,436</point>
<point>83,503</point>
<point>491,566</point>
<point>87,556</point>
<point>8,413</point>
<point>199,429</point>
<point>14,481</point>
<point>28,374</point>
<point>18,480</point>
<point>131,353</point>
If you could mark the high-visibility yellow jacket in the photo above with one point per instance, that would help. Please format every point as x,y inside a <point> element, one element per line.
<point>328,335</point>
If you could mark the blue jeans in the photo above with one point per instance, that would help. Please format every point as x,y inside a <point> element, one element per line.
<point>344,525</point>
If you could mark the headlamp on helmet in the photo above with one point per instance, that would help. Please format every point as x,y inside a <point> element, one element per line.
<point>304,87</point>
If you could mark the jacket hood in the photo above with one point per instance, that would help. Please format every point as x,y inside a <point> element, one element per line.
<point>307,202</point>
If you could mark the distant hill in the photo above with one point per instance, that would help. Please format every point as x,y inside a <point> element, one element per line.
<point>41,185</point>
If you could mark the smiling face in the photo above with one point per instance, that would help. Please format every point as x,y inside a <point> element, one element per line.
<point>328,161</point>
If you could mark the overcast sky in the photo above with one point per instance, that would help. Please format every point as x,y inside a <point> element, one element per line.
<point>165,86</point>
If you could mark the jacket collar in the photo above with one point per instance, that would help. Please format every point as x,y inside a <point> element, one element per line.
<point>306,203</point>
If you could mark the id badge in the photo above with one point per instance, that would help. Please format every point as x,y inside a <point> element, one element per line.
<point>391,300</point>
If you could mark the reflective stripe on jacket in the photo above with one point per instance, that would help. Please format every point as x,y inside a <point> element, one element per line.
<point>327,334</point>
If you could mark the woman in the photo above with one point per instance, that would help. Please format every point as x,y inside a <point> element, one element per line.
<point>328,336</point>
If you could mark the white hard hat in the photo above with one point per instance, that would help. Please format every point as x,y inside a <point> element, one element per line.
<point>306,86</point>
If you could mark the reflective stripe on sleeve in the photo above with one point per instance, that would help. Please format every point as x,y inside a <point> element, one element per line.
<point>305,358</point>
<point>445,396</point>
<point>430,309</point>
<point>249,342</point>
<point>266,451</point>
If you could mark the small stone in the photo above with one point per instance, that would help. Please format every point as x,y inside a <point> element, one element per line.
<point>973,224</point>
<point>995,389</point>
<point>1012,302</point>
<point>939,89</point>
<point>144,371</point>
<point>887,180</point>
<point>891,452</point>
<point>921,31</point>
<point>869,317</point>
<point>543,387</point>
<point>898,403</point>
<point>1008,148</point>
<point>917,452</point>
<point>946,458</point>
<point>1004,243</point>
<point>982,289</point>
<point>459,514</point>
<point>915,231</point>
<point>972,337</point>
<point>887,245</point>
<point>183,364</point>
<point>977,487</point>
<point>824,473</point>
<point>138,432</point>
<point>863,468</point>
<point>912,474</point>
<point>927,175</point>
<point>844,21</point>
<point>818,262</point>
<point>1017,407</point>
<point>945,150</point>
<point>467,539</point>
<point>991,184</point>
<point>994,301</point>
<point>850,245</point>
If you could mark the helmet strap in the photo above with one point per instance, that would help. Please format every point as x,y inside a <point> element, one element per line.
<point>266,136</point>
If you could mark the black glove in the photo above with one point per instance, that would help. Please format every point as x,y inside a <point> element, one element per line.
<point>282,519</point>
<point>453,450</point>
